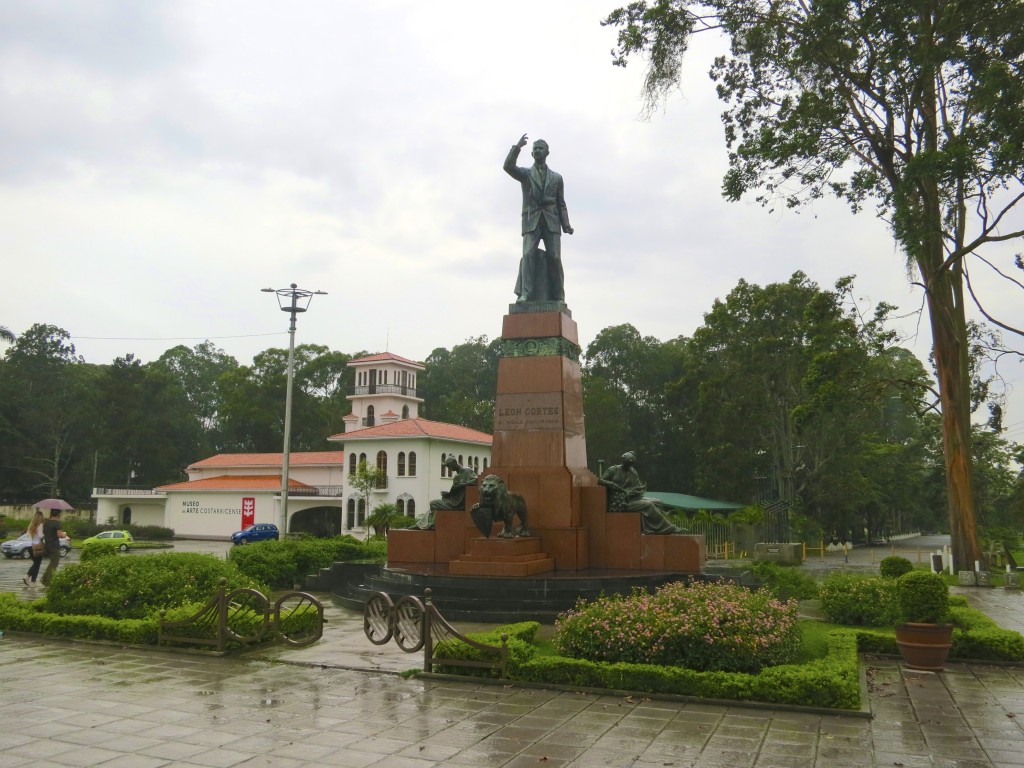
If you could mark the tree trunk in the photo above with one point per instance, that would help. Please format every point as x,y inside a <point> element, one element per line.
<point>945,295</point>
<point>949,342</point>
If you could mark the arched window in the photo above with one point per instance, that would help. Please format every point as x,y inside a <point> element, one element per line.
<point>401,463</point>
<point>476,464</point>
<point>370,421</point>
<point>351,463</point>
<point>485,462</point>
<point>405,411</point>
<point>444,469</point>
<point>350,517</point>
<point>412,463</point>
<point>410,508</point>
<point>361,513</point>
<point>382,467</point>
<point>401,506</point>
<point>362,458</point>
<point>461,463</point>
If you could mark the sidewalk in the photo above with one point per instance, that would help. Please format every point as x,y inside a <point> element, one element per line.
<point>69,704</point>
<point>339,703</point>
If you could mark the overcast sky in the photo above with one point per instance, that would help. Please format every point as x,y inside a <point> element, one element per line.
<point>161,162</point>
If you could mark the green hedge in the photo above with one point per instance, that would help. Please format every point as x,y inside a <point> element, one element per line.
<point>137,587</point>
<point>830,682</point>
<point>282,564</point>
<point>96,550</point>
<point>16,615</point>
<point>786,582</point>
<point>859,600</point>
<point>520,649</point>
<point>30,617</point>
<point>975,637</point>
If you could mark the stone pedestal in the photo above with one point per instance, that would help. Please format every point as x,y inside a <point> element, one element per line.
<point>502,557</point>
<point>539,446</point>
<point>789,554</point>
<point>967,578</point>
<point>540,451</point>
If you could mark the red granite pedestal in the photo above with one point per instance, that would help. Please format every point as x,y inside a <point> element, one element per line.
<point>540,451</point>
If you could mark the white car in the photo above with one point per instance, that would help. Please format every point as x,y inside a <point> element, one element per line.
<point>22,547</point>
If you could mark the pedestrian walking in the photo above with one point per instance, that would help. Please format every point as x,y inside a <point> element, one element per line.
<point>52,534</point>
<point>35,534</point>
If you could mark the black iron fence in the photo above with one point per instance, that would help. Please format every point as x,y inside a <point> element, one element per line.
<point>246,617</point>
<point>416,625</point>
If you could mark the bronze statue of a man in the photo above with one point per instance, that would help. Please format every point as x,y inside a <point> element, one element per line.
<point>626,494</point>
<point>545,217</point>
<point>451,499</point>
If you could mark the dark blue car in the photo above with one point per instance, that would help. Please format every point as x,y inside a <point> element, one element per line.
<point>255,532</point>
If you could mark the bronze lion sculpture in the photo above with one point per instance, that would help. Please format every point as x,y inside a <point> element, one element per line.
<point>498,504</point>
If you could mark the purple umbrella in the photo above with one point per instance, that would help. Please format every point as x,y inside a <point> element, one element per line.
<point>52,504</point>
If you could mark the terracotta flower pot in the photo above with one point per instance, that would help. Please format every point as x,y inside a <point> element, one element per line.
<point>924,646</point>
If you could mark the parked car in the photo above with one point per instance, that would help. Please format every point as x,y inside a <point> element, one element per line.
<point>256,532</point>
<point>22,547</point>
<point>122,538</point>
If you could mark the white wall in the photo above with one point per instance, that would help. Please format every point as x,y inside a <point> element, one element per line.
<point>215,513</point>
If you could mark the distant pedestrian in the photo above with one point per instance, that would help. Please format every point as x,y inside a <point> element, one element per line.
<point>35,535</point>
<point>52,534</point>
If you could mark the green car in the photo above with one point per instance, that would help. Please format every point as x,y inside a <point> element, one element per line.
<point>122,538</point>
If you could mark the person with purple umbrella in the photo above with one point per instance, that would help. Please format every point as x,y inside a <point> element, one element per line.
<point>52,534</point>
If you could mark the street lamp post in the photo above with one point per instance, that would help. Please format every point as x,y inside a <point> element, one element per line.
<point>292,300</point>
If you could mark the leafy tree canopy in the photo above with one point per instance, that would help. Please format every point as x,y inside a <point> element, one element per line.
<point>913,105</point>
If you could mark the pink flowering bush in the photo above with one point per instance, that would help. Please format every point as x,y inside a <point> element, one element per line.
<point>703,626</point>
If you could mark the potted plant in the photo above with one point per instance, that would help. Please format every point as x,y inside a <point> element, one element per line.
<point>925,636</point>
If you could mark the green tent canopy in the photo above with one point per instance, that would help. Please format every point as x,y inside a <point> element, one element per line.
<point>692,503</point>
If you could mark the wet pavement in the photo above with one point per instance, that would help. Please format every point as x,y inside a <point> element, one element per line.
<point>340,703</point>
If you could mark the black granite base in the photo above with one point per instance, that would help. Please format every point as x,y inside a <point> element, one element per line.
<point>497,599</point>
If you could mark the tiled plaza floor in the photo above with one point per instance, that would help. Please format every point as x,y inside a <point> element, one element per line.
<point>339,703</point>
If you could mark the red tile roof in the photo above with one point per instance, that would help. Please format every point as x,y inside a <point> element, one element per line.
<point>299,458</point>
<point>233,483</point>
<point>416,428</point>
<point>384,357</point>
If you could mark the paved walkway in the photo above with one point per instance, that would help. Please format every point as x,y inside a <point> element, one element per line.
<point>339,704</point>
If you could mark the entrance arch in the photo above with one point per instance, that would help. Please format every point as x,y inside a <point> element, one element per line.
<point>323,522</point>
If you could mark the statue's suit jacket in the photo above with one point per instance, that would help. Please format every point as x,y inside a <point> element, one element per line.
<point>545,198</point>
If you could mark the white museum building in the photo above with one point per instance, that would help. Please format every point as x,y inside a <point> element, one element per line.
<point>225,492</point>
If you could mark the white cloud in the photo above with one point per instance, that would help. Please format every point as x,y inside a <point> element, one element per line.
<point>164,161</point>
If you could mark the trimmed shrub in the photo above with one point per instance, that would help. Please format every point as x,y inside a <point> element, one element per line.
<point>30,617</point>
<point>703,626</point>
<point>829,682</point>
<point>923,597</point>
<point>151,532</point>
<point>96,550</point>
<point>894,566</point>
<point>270,562</point>
<point>520,650</point>
<point>988,643</point>
<point>283,563</point>
<point>786,582</point>
<point>137,587</point>
<point>859,600</point>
